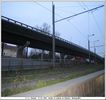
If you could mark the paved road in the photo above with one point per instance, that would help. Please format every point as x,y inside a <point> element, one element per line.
<point>59,87</point>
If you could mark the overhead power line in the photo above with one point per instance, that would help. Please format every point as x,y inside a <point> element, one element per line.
<point>77,29</point>
<point>79,13</point>
<point>98,27</point>
<point>85,5</point>
<point>97,46</point>
<point>81,6</point>
<point>58,16</point>
<point>47,9</point>
<point>43,6</point>
<point>93,17</point>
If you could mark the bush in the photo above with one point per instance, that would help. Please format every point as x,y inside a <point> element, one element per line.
<point>41,83</point>
<point>6,92</point>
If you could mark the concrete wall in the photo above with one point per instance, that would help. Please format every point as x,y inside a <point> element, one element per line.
<point>10,53</point>
<point>91,85</point>
<point>89,88</point>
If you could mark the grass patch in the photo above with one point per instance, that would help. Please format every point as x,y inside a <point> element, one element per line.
<point>8,92</point>
<point>54,76</point>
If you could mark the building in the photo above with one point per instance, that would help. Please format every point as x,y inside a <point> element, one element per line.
<point>9,50</point>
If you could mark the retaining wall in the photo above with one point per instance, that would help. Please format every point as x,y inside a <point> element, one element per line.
<point>89,85</point>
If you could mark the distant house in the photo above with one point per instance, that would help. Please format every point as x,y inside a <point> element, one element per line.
<point>9,50</point>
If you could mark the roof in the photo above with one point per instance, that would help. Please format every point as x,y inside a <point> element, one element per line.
<point>10,47</point>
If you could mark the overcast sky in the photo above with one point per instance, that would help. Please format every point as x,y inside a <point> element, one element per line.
<point>74,29</point>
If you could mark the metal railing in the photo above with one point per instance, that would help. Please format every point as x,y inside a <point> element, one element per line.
<point>25,25</point>
<point>38,30</point>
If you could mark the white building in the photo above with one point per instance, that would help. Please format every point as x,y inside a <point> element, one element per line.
<point>9,50</point>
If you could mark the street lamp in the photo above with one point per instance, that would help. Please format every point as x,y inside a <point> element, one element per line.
<point>95,50</point>
<point>89,44</point>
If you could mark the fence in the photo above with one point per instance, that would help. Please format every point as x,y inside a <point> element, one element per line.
<point>16,63</point>
<point>12,63</point>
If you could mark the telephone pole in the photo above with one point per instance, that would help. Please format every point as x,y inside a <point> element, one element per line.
<point>89,46</point>
<point>95,51</point>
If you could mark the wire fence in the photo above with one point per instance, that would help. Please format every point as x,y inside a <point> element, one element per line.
<point>22,63</point>
<point>12,63</point>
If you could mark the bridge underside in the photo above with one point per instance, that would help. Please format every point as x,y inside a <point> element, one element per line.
<point>16,34</point>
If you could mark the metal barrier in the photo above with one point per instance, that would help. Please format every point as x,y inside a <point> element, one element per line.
<point>25,25</point>
<point>21,63</point>
<point>12,63</point>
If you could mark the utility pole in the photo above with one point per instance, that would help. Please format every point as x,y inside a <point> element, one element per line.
<point>89,46</point>
<point>95,51</point>
<point>53,36</point>
<point>27,52</point>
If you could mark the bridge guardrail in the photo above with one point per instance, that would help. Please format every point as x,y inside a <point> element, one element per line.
<point>25,25</point>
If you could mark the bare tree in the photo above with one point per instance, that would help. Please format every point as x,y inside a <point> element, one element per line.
<point>45,27</point>
<point>57,33</point>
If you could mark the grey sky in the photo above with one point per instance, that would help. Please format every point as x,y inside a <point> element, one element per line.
<point>75,29</point>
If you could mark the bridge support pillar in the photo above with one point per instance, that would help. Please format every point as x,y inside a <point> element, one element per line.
<point>50,55</point>
<point>2,48</point>
<point>42,55</point>
<point>20,50</point>
<point>62,59</point>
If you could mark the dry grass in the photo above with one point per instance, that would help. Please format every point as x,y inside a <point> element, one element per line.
<point>44,77</point>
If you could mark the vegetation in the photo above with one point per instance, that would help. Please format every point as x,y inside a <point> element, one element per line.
<point>44,77</point>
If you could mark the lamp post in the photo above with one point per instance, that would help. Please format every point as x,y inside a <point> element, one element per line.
<point>89,45</point>
<point>95,51</point>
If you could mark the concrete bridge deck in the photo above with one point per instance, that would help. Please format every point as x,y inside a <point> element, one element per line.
<point>15,32</point>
